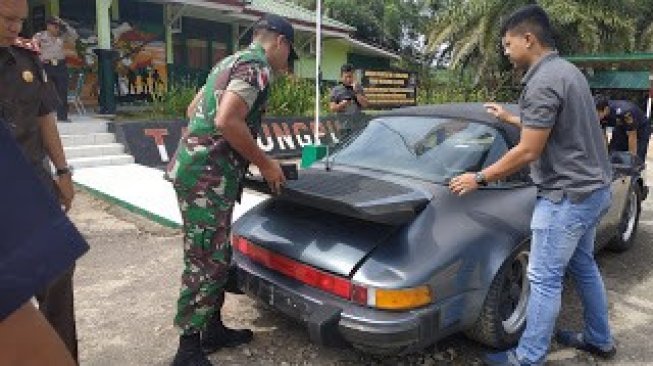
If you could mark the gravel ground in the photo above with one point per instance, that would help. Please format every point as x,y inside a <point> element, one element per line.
<point>126,288</point>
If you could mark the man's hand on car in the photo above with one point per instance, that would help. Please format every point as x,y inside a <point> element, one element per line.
<point>273,174</point>
<point>501,113</point>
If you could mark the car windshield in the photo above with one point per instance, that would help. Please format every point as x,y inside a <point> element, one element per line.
<point>427,148</point>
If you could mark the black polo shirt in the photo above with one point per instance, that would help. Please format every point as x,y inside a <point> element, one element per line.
<point>616,119</point>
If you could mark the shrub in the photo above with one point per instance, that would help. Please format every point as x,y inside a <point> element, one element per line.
<point>290,96</point>
<point>174,102</point>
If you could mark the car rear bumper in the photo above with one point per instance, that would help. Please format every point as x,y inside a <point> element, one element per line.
<point>334,321</point>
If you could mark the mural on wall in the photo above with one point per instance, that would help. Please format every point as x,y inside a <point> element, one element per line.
<point>140,66</point>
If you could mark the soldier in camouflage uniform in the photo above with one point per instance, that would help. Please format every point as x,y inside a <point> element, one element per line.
<point>207,173</point>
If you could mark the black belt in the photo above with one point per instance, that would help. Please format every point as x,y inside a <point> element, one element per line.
<point>54,62</point>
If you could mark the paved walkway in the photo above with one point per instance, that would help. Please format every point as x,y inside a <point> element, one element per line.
<point>144,190</point>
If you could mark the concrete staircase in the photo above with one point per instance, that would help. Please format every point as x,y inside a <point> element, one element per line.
<point>87,143</point>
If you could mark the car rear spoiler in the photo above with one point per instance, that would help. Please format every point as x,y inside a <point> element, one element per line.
<point>349,194</point>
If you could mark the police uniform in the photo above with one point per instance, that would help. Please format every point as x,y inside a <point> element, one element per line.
<point>25,95</point>
<point>54,61</point>
<point>207,174</point>
<point>624,117</point>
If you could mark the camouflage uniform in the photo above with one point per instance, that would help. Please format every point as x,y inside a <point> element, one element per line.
<point>207,174</point>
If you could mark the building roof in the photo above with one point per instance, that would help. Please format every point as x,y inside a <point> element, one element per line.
<point>249,11</point>
<point>612,61</point>
<point>295,13</point>
<point>628,80</point>
<point>253,9</point>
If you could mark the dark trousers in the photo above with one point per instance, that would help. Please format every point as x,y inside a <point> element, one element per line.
<point>56,303</point>
<point>59,76</point>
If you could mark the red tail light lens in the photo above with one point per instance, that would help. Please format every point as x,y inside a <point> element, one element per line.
<point>335,285</point>
<point>359,295</point>
<point>389,299</point>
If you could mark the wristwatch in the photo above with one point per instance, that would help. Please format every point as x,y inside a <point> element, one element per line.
<point>63,171</point>
<point>480,179</point>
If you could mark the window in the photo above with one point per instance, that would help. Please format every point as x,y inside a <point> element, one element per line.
<point>198,54</point>
<point>429,148</point>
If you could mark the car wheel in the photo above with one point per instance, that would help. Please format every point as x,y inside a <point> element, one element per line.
<point>625,239</point>
<point>503,316</point>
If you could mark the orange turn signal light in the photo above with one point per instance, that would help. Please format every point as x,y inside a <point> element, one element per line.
<point>402,299</point>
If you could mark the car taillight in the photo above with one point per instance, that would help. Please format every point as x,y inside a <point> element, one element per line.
<point>359,295</point>
<point>313,277</point>
<point>401,299</point>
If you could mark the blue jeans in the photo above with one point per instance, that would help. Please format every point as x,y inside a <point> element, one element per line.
<point>563,239</point>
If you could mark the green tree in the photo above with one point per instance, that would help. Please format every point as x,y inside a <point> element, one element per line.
<point>392,24</point>
<point>469,30</point>
<point>644,40</point>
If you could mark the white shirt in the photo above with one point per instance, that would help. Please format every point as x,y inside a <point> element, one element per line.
<point>52,48</point>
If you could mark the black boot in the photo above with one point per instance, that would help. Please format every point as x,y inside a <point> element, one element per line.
<point>217,336</point>
<point>190,352</point>
<point>232,282</point>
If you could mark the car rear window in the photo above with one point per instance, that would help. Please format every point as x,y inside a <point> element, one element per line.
<point>427,148</point>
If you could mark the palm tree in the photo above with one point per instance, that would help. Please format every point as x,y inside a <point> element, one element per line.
<point>645,26</point>
<point>470,29</point>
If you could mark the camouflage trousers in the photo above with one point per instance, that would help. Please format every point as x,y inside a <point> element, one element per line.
<point>206,212</point>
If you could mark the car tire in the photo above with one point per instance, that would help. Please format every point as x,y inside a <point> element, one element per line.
<point>503,315</point>
<point>627,230</point>
<point>376,351</point>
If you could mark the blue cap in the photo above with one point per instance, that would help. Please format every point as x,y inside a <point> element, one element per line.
<point>279,25</point>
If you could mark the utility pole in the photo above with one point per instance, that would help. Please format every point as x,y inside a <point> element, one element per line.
<point>106,58</point>
<point>318,73</point>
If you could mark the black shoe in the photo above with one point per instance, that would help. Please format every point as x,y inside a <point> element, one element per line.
<point>218,336</point>
<point>190,353</point>
<point>574,339</point>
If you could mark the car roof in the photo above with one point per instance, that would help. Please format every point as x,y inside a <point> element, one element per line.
<point>468,111</point>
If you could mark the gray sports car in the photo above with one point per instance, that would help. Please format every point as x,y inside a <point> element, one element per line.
<point>369,247</point>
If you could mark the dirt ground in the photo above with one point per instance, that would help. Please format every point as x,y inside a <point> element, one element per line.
<point>126,288</point>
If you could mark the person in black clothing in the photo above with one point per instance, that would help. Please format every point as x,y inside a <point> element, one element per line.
<point>38,243</point>
<point>631,130</point>
<point>27,105</point>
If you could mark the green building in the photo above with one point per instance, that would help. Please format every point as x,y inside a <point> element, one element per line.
<point>195,34</point>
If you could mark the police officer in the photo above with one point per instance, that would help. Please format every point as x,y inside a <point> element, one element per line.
<point>51,41</point>
<point>631,129</point>
<point>27,106</point>
<point>207,174</point>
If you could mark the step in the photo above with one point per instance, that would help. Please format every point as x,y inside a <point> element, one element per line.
<point>87,151</point>
<point>80,163</point>
<point>90,139</point>
<point>81,128</point>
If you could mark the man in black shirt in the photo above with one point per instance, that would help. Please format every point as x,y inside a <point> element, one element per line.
<point>631,129</point>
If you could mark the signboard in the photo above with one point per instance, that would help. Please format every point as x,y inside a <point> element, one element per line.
<point>389,89</point>
<point>154,143</point>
